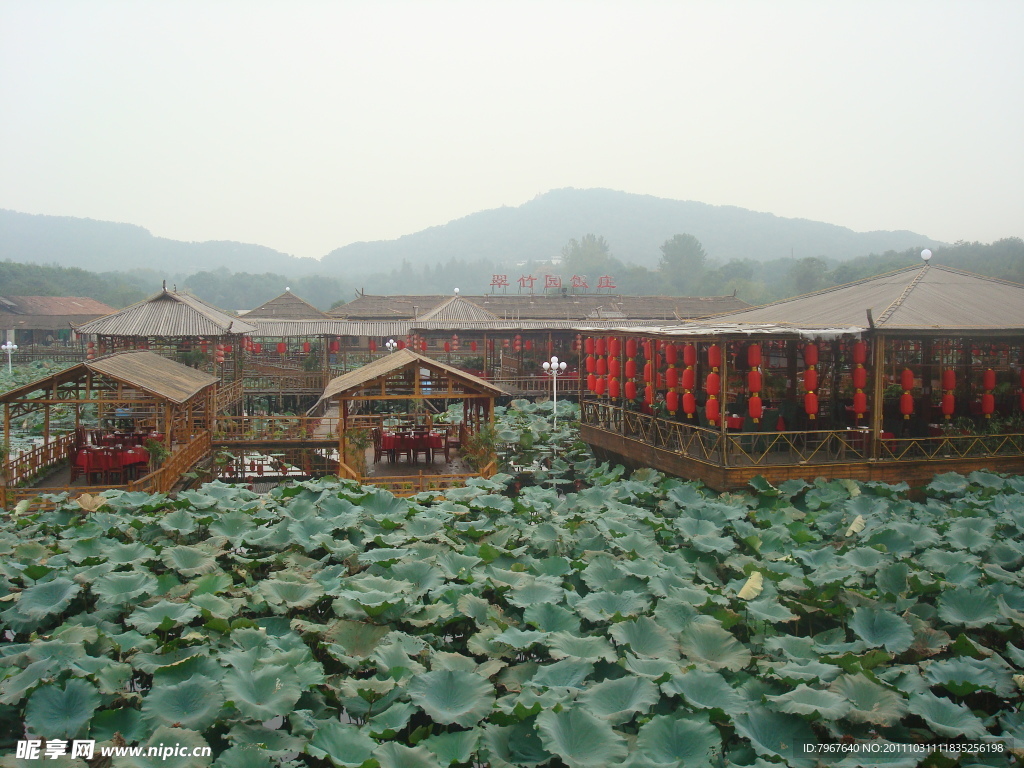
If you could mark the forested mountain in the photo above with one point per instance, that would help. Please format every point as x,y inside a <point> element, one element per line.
<point>635,225</point>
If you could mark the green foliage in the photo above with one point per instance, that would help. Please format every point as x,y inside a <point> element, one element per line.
<point>519,628</point>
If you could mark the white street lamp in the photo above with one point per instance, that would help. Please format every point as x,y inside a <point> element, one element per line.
<point>554,369</point>
<point>392,345</point>
<point>10,348</point>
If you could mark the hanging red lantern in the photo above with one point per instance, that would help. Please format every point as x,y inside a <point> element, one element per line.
<point>689,355</point>
<point>630,390</point>
<point>588,345</point>
<point>860,353</point>
<point>672,401</point>
<point>528,344</point>
<point>649,395</point>
<point>204,345</point>
<point>599,346</point>
<point>648,349</point>
<point>948,405</point>
<point>447,346</point>
<point>257,347</point>
<point>988,379</point>
<point>689,378</point>
<point>860,403</point>
<point>713,384</point>
<point>648,371</point>
<point>860,378</point>
<point>755,408</point>
<point>504,343</point>
<point>306,347</point>
<point>715,356</point>
<point>988,404</point>
<point>282,348</point>
<point>472,346</point>
<point>754,356</point>
<point>689,404</point>
<point>811,405</point>
<point>602,366</point>
<point>614,388</point>
<point>811,379</point>
<point>906,404</point>
<point>631,369</point>
<point>590,363</point>
<point>907,379</point>
<point>811,354</point>
<point>712,410</point>
<point>949,379</point>
<point>591,382</point>
<point>614,366</point>
<point>631,347</point>
<point>614,346</point>
<point>335,346</point>
<point>754,381</point>
<point>423,346</point>
<point>401,343</point>
<point>672,377</point>
<point>671,355</point>
<point>599,385</point>
<point>259,469</point>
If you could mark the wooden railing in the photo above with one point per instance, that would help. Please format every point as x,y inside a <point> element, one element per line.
<point>30,464</point>
<point>538,385</point>
<point>951,447</point>
<point>410,485</point>
<point>312,381</point>
<point>257,429</point>
<point>28,353</point>
<point>178,463</point>
<point>227,395</point>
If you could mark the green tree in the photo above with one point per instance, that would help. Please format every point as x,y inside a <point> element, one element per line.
<point>682,263</point>
<point>809,274</point>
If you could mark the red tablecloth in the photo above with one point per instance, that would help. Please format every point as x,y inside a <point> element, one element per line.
<point>104,459</point>
<point>734,422</point>
<point>391,441</point>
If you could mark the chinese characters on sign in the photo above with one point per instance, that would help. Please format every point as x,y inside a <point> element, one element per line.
<point>578,283</point>
<point>499,281</point>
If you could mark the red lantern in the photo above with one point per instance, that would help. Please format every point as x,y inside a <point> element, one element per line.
<point>602,366</point>
<point>472,346</point>
<point>671,356</point>
<point>712,410</point>
<point>335,346</point>
<point>373,345</point>
<point>447,346</point>
<point>614,346</point>
<point>590,364</point>
<point>672,401</point>
<point>988,404</point>
<point>614,366</point>
<point>713,384</point>
<point>528,344</point>
<point>907,379</point>
<point>906,404</point>
<point>306,346</point>
<point>948,405</point>
<point>715,356</point>
<point>257,347</point>
<point>689,355</point>
<point>689,404</point>
<point>631,369</point>
<point>860,353</point>
<point>949,379</point>
<point>689,379</point>
<point>259,469</point>
<point>811,379</point>
<point>630,347</point>
<point>599,346</point>
<point>811,405</point>
<point>588,346</point>
<point>860,378</point>
<point>401,343</point>
<point>281,347</point>
<point>811,354</point>
<point>648,371</point>
<point>648,349</point>
<point>631,390</point>
<point>754,356</point>
<point>649,394</point>
<point>988,379</point>
<point>613,388</point>
<point>599,385</point>
<point>204,345</point>
<point>423,345</point>
<point>755,408</point>
<point>591,382</point>
<point>672,377</point>
<point>754,381</point>
<point>860,404</point>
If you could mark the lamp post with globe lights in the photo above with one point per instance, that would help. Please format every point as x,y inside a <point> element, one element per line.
<point>10,348</point>
<point>392,345</point>
<point>554,369</point>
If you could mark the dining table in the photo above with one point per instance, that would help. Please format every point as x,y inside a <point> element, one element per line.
<point>93,459</point>
<point>412,443</point>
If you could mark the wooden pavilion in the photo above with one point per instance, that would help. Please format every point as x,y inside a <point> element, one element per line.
<point>892,378</point>
<point>138,392</point>
<point>406,376</point>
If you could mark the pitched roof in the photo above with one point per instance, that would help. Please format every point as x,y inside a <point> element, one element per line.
<point>168,313</point>
<point>526,306</point>
<point>399,360</point>
<point>147,371</point>
<point>287,306</point>
<point>46,312</point>
<point>926,298</point>
<point>458,308</point>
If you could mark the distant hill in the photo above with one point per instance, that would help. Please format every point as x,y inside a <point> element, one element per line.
<point>107,246</point>
<point>634,225</point>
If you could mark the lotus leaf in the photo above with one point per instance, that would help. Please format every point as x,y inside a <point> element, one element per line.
<point>692,740</point>
<point>969,607</point>
<point>55,712</point>
<point>342,744</point>
<point>448,696</point>
<point>710,645</point>
<point>162,614</point>
<point>580,739</point>
<point>617,700</point>
<point>705,690</point>
<point>946,718</point>
<point>774,734</point>
<point>869,701</point>
<point>881,628</point>
<point>190,560</point>
<point>804,700</point>
<point>192,703</point>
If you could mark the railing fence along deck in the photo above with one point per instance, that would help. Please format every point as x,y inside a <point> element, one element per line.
<point>28,465</point>
<point>257,429</point>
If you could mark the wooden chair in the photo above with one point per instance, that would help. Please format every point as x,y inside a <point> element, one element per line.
<point>114,466</point>
<point>378,452</point>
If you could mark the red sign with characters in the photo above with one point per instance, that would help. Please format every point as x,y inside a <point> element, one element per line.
<point>552,281</point>
<point>579,281</point>
<point>605,281</point>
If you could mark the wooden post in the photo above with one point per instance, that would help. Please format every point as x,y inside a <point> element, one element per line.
<point>877,394</point>
<point>342,425</point>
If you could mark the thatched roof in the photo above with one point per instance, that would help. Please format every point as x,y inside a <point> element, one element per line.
<point>459,309</point>
<point>49,312</point>
<point>927,298</point>
<point>403,359</point>
<point>287,306</point>
<point>144,370</point>
<point>168,314</point>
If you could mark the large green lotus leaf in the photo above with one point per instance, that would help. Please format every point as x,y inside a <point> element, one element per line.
<point>54,712</point>
<point>515,745</point>
<point>189,561</point>
<point>617,700</point>
<point>193,703</point>
<point>166,613</point>
<point>234,526</point>
<point>600,607</point>
<point>191,744</point>
<point>342,744</point>
<point>124,586</point>
<point>774,734</point>
<point>218,607</point>
<point>126,721</point>
<point>179,521</point>
<point>520,639</point>
<point>893,578</point>
<point>288,591</point>
<point>565,645</point>
<point>669,740</point>
<point>422,575</point>
<point>358,638</point>
<point>769,609</point>
<point>13,688</point>
<point>580,739</point>
<point>41,600</point>
<point>865,559</point>
<point>970,537</point>
<point>534,591</point>
<point>946,718</point>
<point>710,645</point>
<point>568,673</point>
<point>800,671</point>
<point>211,583</point>
<point>645,637</point>
<point>119,553</point>
<point>869,701</point>
<point>244,756</point>
<point>653,669</point>
<point>456,747</point>
<point>880,628</point>
<point>265,692</point>
<point>964,675</point>
<point>969,607</point>
<point>551,618</point>
<point>705,690</point>
<point>459,697</point>
<point>394,755</point>
<point>804,700</point>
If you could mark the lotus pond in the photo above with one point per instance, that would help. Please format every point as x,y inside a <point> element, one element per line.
<point>642,621</point>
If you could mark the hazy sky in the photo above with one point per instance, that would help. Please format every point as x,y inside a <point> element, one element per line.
<point>305,126</point>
